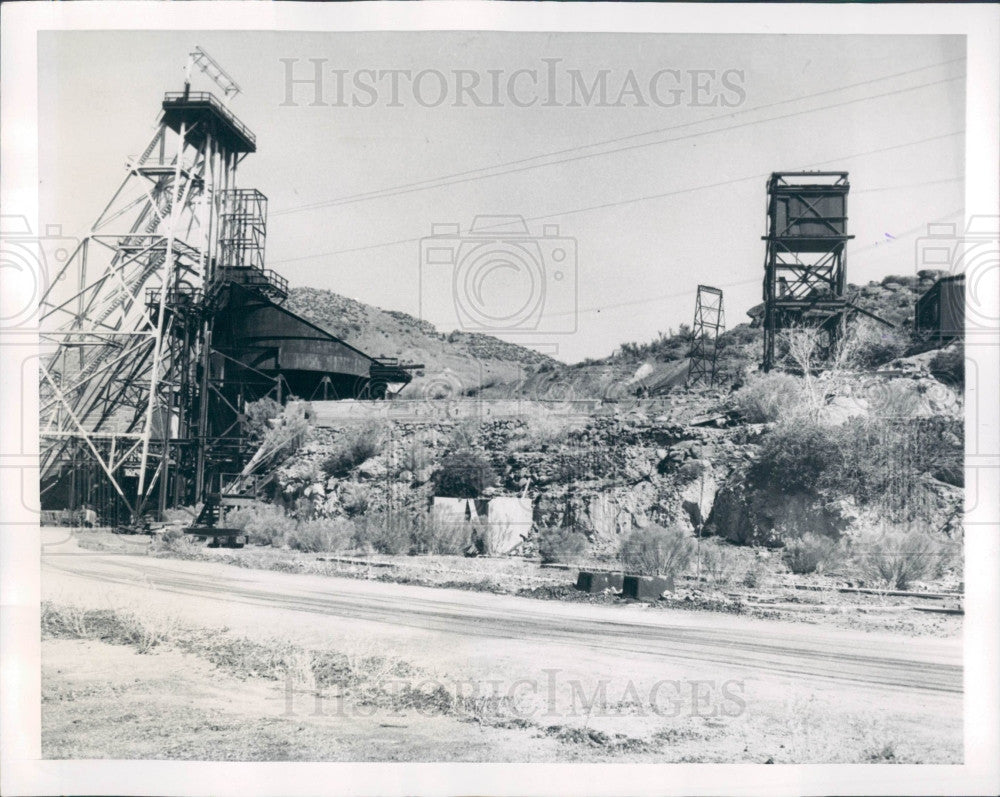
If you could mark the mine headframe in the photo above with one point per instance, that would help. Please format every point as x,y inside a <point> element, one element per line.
<point>805,267</point>
<point>125,332</point>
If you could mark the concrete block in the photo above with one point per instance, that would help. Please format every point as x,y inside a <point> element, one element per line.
<point>646,588</point>
<point>589,581</point>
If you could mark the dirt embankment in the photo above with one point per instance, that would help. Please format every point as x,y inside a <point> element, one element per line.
<point>775,594</point>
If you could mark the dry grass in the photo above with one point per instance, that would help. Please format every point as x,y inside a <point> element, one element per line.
<point>118,627</point>
<point>364,675</point>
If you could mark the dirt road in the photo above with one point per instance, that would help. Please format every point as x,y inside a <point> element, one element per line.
<point>558,652</point>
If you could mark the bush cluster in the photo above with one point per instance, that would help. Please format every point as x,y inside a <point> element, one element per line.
<point>890,463</point>
<point>897,557</point>
<point>657,551</point>
<point>352,450</point>
<point>718,564</point>
<point>321,535</point>
<point>465,473</point>
<point>432,535</point>
<point>384,532</point>
<point>809,553</point>
<point>173,539</point>
<point>883,463</point>
<point>374,532</point>
<point>767,398</point>
<point>263,523</point>
<point>948,366</point>
<point>796,455</point>
<point>869,344</point>
<point>259,415</point>
<point>561,544</point>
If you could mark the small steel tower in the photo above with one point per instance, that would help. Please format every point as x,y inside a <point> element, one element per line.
<point>709,322</point>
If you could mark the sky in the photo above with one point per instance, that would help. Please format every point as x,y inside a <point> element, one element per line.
<point>631,197</point>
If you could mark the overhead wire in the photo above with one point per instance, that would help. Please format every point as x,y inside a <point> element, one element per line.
<point>618,203</point>
<point>476,174</point>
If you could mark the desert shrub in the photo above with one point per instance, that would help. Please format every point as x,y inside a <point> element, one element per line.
<point>282,436</point>
<point>539,433</point>
<point>948,365</point>
<point>718,564</point>
<point>184,514</point>
<point>893,466</point>
<point>352,450</point>
<point>656,550</point>
<point>464,434</point>
<point>413,457</point>
<point>887,463</point>
<point>384,532</point>
<point>113,626</point>
<point>304,508</point>
<point>561,544</point>
<point>692,470</point>
<point>259,415</point>
<point>795,456</point>
<point>173,539</point>
<point>170,535</point>
<point>355,499</point>
<point>465,473</point>
<point>754,575</point>
<point>809,553</point>
<point>431,535</point>
<point>264,524</point>
<point>869,344</point>
<point>896,557</point>
<point>767,398</point>
<point>322,535</point>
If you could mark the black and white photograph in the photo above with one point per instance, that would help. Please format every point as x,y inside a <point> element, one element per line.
<point>518,386</point>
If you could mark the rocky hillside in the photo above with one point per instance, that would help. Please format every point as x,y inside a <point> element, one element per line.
<point>454,364</point>
<point>476,364</point>
<point>834,455</point>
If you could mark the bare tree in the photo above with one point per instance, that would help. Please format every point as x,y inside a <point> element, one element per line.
<point>804,347</point>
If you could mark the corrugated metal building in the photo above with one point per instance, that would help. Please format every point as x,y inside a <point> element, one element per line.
<point>941,310</point>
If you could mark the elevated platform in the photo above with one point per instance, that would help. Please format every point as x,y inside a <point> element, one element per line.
<point>266,281</point>
<point>204,114</point>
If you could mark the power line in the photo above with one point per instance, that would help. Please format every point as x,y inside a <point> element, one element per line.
<point>476,174</point>
<point>908,185</point>
<point>723,183</point>
<point>645,198</point>
<point>753,280</point>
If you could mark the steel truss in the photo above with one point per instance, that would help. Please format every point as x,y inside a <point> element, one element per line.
<point>128,370</point>
<point>709,323</point>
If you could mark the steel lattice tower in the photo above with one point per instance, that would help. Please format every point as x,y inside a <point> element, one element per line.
<point>806,261</point>
<point>709,322</point>
<point>125,337</point>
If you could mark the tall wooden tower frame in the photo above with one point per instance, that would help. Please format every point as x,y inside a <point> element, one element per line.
<point>805,268</point>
